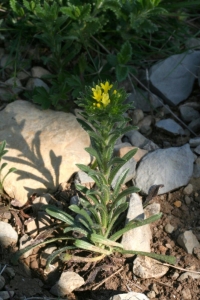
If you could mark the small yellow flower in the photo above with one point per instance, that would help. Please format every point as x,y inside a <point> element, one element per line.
<point>97,93</point>
<point>98,105</point>
<point>105,99</point>
<point>106,87</point>
<point>115,92</point>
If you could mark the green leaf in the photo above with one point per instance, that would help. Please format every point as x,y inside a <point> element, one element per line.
<point>99,239</point>
<point>126,192</point>
<point>59,214</point>
<point>87,246</point>
<point>11,170</point>
<point>56,253</point>
<point>81,212</point>
<point>134,224</point>
<point>121,72</point>
<point>3,166</point>
<point>119,182</point>
<point>85,125</point>
<point>124,159</point>
<point>112,59</point>
<point>94,153</point>
<point>125,54</point>
<point>166,258</point>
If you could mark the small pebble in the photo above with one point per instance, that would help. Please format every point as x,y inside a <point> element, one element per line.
<point>177,203</point>
<point>188,189</point>
<point>151,294</point>
<point>5,295</point>
<point>169,228</point>
<point>188,200</point>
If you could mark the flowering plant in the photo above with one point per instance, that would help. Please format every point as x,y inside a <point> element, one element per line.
<point>100,213</point>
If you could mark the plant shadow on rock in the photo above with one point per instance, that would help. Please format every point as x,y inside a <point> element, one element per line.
<point>32,157</point>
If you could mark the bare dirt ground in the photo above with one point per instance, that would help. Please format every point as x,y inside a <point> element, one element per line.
<point>114,274</point>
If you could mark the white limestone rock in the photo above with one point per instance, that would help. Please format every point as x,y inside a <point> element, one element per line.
<point>8,235</point>
<point>172,167</point>
<point>44,146</point>
<point>137,239</point>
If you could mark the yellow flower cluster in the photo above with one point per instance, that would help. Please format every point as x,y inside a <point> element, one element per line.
<point>101,95</point>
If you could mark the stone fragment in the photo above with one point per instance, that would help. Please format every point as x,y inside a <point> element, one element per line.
<point>145,125</point>
<point>22,75</point>
<point>188,200</point>
<point>169,228</point>
<point>83,178</point>
<point>137,157</point>
<point>142,100</point>
<point>194,142</point>
<point>8,235</point>
<point>195,125</point>
<point>173,78</point>
<point>188,241</point>
<point>151,294</point>
<point>2,282</point>
<point>146,267</point>
<point>137,239</point>
<point>6,295</point>
<point>138,140</point>
<point>136,116</point>
<point>196,171</point>
<point>170,126</point>
<point>172,167</point>
<point>119,146</point>
<point>10,272</point>
<point>178,203</point>
<point>44,147</point>
<point>68,282</point>
<point>7,62</point>
<point>152,209</point>
<point>129,296</point>
<point>188,189</point>
<point>192,43</point>
<point>38,72</point>
<point>188,113</point>
<point>197,252</point>
<point>188,274</point>
<point>186,294</point>
<point>36,82</point>
<point>14,86</point>
<point>197,150</point>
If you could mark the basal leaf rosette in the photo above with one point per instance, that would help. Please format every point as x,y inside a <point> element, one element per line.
<point>103,99</point>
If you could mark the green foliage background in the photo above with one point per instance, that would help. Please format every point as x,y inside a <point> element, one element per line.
<point>90,40</point>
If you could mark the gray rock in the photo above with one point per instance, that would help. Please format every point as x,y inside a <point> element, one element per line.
<point>152,209</point>
<point>8,235</point>
<point>188,241</point>
<point>146,267</point>
<point>44,146</point>
<point>68,282</point>
<point>137,116</point>
<point>170,126</point>
<point>14,85</point>
<point>7,62</point>
<point>36,82</point>
<point>187,275</point>
<point>129,165</point>
<point>6,295</point>
<point>188,189</point>
<point>196,171</point>
<point>172,167</point>
<point>119,146</point>
<point>137,239</point>
<point>169,228</point>
<point>192,43</point>
<point>197,150</point>
<point>2,282</point>
<point>196,251</point>
<point>195,125</point>
<point>188,113</point>
<point>142,101</point>
<point>38,72</point>
<point>194,142</point>
<point>172,79</point>
<point>83,178</point>
<point>145,125</point>
<point>138,140</point>
<point>129,296</point>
